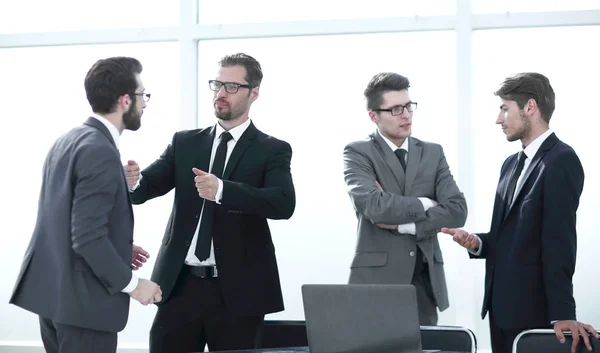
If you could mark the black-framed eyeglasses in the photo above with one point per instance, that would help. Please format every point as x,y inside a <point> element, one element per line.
<point>399,109</point>
<point>230,87</point>
<point>145,96</point>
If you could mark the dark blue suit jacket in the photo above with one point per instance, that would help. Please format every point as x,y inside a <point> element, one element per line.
<point>530,250</point>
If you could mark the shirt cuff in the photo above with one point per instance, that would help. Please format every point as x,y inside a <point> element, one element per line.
<point>478,252</point>
<point>137,184</point>
<point>407,228</point>
<point>427,203</point>
<point>132,285</point>
<point>219,194</point>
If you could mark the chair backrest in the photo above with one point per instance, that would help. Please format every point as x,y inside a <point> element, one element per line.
<point>544,340</point>
<point>283,334</point>
<point>448,338</point>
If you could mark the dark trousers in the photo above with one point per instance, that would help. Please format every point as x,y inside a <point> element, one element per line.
<point>60,338</point>
<point>426,303</point>
<point>196,316</point>
<point>503,339</point>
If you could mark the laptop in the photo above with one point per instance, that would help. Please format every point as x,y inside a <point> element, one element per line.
<point>361,318</point>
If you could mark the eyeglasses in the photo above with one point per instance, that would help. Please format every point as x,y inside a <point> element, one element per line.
<point>230,87</point>
<point>145,96</point>
<point>399,109</point>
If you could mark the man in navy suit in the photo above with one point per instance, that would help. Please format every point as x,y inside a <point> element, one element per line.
<point>531,247</point>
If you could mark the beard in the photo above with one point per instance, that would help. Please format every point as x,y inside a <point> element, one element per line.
<point>132,119</point>
<point>523,130</point>
<point>230,112</point>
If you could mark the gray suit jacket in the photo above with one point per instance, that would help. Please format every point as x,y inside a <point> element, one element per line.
<point>385,256</point>
<point>79,257</point>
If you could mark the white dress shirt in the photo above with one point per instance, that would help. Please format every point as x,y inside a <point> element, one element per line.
<point>114,132</point>
<point>236,133</point>
<point>407,228</point>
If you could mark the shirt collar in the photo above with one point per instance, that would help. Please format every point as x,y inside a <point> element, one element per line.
<point>111,128</point>
<point>236,132</point>
<point>535,145</point>
<point>393,145</point>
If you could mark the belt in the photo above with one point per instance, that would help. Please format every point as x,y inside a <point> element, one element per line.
<point>203,271</point>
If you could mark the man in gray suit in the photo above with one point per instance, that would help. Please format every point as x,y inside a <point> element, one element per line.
<point>403,194</point>
<point>76,274</point>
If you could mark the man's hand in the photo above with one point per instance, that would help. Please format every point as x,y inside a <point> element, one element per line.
<point>577,328</point>
<point>466,240</point>
<point>146,292</point>
<point>132,173</point>
<point>140,256</point>
<point>206,184</point>
<point>387,226</point>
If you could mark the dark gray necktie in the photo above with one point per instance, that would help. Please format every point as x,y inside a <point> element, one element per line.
<point>401,154</point>
<point>208,213</point>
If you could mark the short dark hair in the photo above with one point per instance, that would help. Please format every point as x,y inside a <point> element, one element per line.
<point>382,83</point>
<point>254,73</point>
<point>529,85</point>
<point>110,78</point>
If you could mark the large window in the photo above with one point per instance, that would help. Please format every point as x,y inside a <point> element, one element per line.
<point>241,11</point>
<point>486,6</point>
<point>47,98</point>
<point>26,16</point>
<point>566,58</point>
<point>312,97</point>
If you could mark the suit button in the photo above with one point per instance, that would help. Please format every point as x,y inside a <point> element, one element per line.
<point>412,253</point>
<point>131,242</point>
<point>197,215</point>
<point>187,243</point>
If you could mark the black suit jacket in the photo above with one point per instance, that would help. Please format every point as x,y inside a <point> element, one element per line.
<point>79,257</point>
<point>531,248</point>
<point>257,185</point>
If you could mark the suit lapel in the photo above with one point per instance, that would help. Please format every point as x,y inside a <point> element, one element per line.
<point>541,153</point>
<point>412,165</point>
<point>205,141</point>
<point>238,151</point>
<point>390,159</point>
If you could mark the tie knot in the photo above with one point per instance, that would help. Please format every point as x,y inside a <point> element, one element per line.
<point>401,153</point>
<point>225,137</point>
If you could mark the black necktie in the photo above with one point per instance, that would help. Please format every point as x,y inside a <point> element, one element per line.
<point>401,154</point>
<point>208,211</point>
<point>512,184</point>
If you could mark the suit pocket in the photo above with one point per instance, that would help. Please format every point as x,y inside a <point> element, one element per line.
<point>369,259</point>
<point>437,256</point>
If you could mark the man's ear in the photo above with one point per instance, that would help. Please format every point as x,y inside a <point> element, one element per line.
<point>374,117</point>
<point>530,107</point>
<point>254,93</point>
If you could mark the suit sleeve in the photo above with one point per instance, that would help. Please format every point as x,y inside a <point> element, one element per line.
<point>376,205</point>
<point>97,177</point>
<point>276,199</point>
<point>158,178</point>
<point>451,210</point>
<point>562,189</point>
